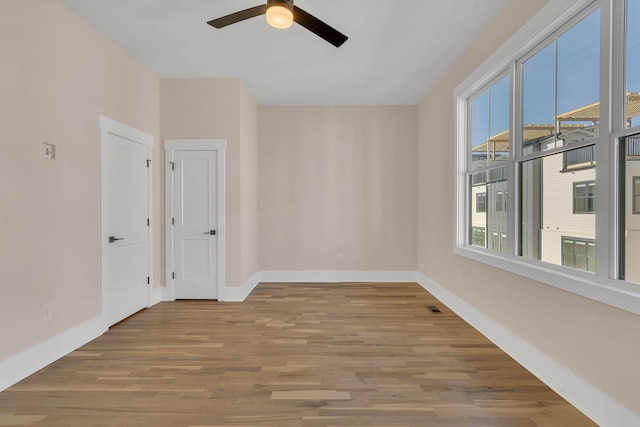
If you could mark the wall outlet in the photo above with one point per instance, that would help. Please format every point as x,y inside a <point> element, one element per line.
<point>340,257</point>
<point>47,313</point>
<point>47,151</point>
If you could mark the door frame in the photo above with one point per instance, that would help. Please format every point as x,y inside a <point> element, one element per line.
<point>111,127</point>
<point>170,146</point>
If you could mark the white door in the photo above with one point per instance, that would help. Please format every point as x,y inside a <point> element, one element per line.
<point>195,224</point>
<point>125,226</point>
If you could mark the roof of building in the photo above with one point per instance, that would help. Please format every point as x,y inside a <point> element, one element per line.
<point>500,141</point>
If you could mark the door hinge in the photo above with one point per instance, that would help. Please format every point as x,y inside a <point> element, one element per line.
<point>173,275</point>
<point>173,166</point>
<point>173,221</point>
<point>148,280</point>
<point>148,222</point>
<point>148,162</point>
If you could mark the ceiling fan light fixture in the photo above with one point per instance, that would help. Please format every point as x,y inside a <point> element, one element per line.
<point>280,15</point>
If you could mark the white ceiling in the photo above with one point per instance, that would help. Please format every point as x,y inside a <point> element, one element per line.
<point>396,52</point>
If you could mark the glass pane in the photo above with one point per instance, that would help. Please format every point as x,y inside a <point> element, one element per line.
<point>499,120</point>
<point>490,137</point>
<point>580,248</point>
<point>479,130</point>
<point>538,93</point>
<point>568,260</point>
<point>591,250</point>
<point>561,89</point>
<point>633,62</point>
<point>547,210</point>
<point>581,262</point>
<point>578,103</point>
<point>478,213</point>
<point>497,212</point>
<point>567,247</point>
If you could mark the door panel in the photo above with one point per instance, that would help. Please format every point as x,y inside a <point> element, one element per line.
<point>126,261</point>
<point>195,207</point>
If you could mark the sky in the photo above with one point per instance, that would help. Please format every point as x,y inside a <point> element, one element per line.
<point>574,61</point>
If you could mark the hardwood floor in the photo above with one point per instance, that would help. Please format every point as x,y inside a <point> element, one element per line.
<point>291,355</point>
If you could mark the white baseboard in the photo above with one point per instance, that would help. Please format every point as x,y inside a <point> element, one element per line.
<point>240,293</point>
<point>338,276</point>
<point>593,402</point>
<point>21,365</point>
<point>155,296</point>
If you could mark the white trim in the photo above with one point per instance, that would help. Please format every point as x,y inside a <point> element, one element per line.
<point>338,276</point>
<point>156,296</point>
<point>171,145</point>
<point>240,293</point>
<point>21,365</point>
<point>590,400</point>
<point>108,126</point>
<point>195,144</point>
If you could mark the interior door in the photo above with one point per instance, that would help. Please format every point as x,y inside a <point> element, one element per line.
<point>125,228</point>
<point>195,221</point>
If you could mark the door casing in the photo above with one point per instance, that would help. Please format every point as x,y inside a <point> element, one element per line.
<point>170,146</point>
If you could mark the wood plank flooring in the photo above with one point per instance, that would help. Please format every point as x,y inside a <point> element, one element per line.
<point>291,355</point>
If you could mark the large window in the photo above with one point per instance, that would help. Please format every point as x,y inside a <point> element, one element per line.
<point>489,151</point>
<point>548,158</point>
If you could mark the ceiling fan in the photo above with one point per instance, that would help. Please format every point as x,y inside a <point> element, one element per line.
<point>282,14</point>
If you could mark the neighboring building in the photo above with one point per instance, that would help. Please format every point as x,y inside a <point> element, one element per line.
<point>557,212</point>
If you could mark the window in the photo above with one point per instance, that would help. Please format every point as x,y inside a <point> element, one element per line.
<point>499,241</point>
<point>478,236</point>
<point>481,202</point>
<point>489,143</point>
<point>584,197</point>
<point>501,201</point>
<point>578,253</point>
<point>565,148</point>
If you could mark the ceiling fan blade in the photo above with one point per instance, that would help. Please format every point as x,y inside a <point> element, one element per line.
<point>238,16</point>
<point>318,27</point>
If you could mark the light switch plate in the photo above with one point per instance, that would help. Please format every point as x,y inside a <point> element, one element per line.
<point>47,151</point>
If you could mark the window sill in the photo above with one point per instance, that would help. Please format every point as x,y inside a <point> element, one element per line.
<point>618,294</point>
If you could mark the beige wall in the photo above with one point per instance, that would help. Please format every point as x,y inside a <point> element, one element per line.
<point>57,75</point>
<point>595,341</point>
<point>220,109</point>
<point>249,185</point>
<point>337,180</point>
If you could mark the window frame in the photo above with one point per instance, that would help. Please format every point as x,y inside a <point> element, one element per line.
<point>553,19</point>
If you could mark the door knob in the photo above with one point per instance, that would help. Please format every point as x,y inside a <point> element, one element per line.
<point>113,239</point>
<point>211,232</point>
